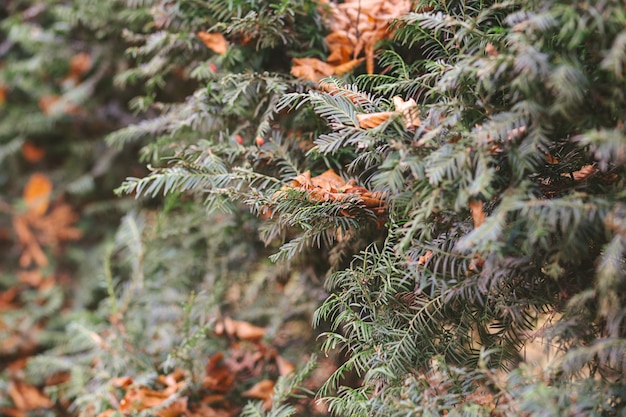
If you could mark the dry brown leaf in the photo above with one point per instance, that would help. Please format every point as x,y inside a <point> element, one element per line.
<point>37,194</point>
<point>204,410</point>
<point>409,111</point>
<point>347,66</point>
<point>311,69</point>
<point>140,398</point>
<point>214,41</point>
<point>583,173</point>
<point>80,64</point>
<point>285,367</point>
<point>3,94</point>
<point>219,377</point>
<point>329,186</point>
<point>32,250</point>
<point>122,382</point>
<point>491,50</point>
<point>32,153</point>
<point>551,159</point>
<point>240,329</point>
<point>424,258</point>
<point>328,181</point>
<point>478,214</point>
<point>372,120</point>
<point>26,397</point>
<point>262,390</point>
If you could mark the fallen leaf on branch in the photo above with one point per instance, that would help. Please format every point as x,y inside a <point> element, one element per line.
<point>357,26</point>
<point>285,367</point>
<point>478,214</point>
<point>219,377</point>
<point>262,390</point>
<point>36,194</point>
<point>32,153</point>
<point>329,186</point>
<point>311,69</point>
<point>3,94</point>
<point>41,226</point>
<point>214,41</point>
<point>409,111</point>
<point>551,160</point>
<point>372,120</point>
<point>26,397</point>
<point>240,329</point>
<point>425,258</point>
<point>583,173</point>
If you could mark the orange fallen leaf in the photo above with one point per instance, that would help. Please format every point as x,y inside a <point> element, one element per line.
<point>478,214</point>
<point>285,367</point>
<point>347,66</point>
<point>551,160</point>
<point>240,329</point>
<point>372,120</point>
<point>262,390</point>
<point>311,69</point>
<point>32,153</point>
<point>26,397</point>
<point>214,41</point>
<point>140,398</point>
<point>37,193</point>
<point>80,64</point>
<point>584,172</point>
<point>491,50</point>
<point>219,377</point>
<point>425,258</point>
<point>32,249</point>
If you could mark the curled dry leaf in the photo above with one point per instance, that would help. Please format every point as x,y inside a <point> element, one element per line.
<point>214,41</point>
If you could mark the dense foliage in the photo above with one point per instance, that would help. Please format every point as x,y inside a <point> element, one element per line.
<point>441,199</point>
